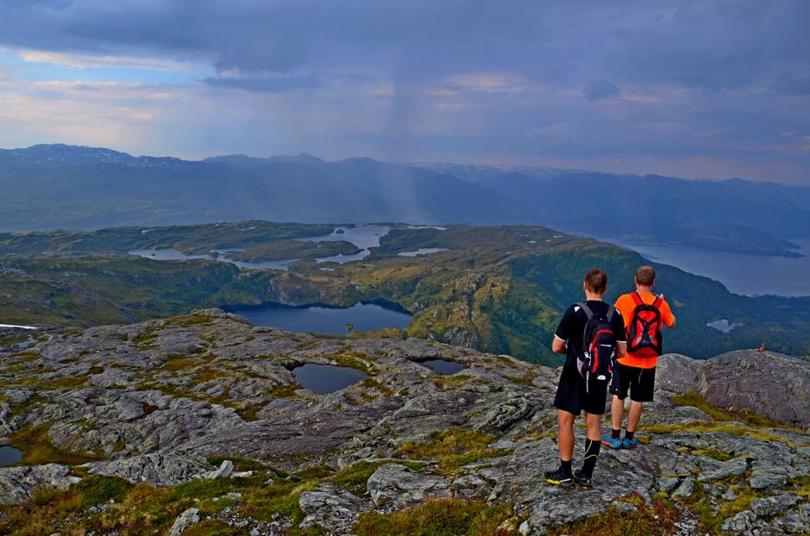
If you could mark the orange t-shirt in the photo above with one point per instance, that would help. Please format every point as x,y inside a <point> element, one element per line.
<point>627,306</point>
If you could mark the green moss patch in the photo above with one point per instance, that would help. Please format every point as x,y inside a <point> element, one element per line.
<point>452,448</point>
<point>655,519</point>
<point>696,400</point>
<point>446,517</point>
<point>37,448</point>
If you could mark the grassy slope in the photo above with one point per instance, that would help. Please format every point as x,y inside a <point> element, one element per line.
<point>501,289</point>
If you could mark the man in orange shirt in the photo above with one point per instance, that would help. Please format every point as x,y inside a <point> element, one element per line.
<point>644,315</point>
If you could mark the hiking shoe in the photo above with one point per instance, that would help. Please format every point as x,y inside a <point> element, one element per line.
<point>611,443</point>
<point>629,443</point>
<point>558,478</point>
<point>581,479</point>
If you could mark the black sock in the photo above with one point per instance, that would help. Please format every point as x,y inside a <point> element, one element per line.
<point>591,455</point>
<point>565,467</point>
<point>628,434</point>
<point>615,434</point>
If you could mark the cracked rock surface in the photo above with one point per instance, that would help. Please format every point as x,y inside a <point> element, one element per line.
<point>207,397</point>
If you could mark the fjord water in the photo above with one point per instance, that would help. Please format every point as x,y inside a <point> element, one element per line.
<point>740,273</point>
<point>325,320</point>
<point>324,379</point>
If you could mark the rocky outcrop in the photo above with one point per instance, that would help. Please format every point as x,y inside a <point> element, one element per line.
<point>185,520</point>
<point>208,396</point>
<point>765,383</point>
<point>331,508</point>
<point>158,469</point>
<point>395,487</point>
<point>17,483</point>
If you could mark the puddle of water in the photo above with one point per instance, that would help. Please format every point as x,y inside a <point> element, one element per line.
<point>443,367</point>
<point>323,379</point>
<point>10,456</point>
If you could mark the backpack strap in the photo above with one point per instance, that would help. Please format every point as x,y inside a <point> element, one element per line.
<point>637,298</point>
<point>610,313</point>
<point>586,310</point>
<point>657,302</point>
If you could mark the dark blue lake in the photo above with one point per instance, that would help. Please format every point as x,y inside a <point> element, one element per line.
<point>324,379</point>
<point>9,456</point>
<point>325,320</point>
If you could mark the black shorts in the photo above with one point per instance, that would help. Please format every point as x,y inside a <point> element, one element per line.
<point>639,381</point>
<point>574,396</point>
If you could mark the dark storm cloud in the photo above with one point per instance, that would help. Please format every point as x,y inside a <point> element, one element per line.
<point>628,78</point>
<point>711,44</point>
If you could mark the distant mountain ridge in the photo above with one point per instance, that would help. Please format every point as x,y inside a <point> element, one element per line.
<point>64,186</point>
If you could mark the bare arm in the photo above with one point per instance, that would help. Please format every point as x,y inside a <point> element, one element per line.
<point>621,349</point>
<point>558,345</point>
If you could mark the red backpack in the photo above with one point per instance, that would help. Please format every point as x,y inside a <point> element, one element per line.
<point>644,331</point>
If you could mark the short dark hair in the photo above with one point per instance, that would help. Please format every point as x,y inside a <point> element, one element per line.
<point>645,275</point>
<point>596,281</point>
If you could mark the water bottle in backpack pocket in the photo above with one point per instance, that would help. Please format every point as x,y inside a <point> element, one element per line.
<point>595,360</point>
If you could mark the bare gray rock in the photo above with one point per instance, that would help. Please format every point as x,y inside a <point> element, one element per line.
<point>797,521</point>
<point>767,383</point>
<point>331,508</point>
<point>185,520</point>
<point>733,467</point>
<point>772,506</point>
<point>17,483</point>
<point>396,487</point>
<point>158,469</point>
<point>685,489</point>
<point>768,477</point>
<point>224,470</point>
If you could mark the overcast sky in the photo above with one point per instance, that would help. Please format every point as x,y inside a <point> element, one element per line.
<point>692,88</point>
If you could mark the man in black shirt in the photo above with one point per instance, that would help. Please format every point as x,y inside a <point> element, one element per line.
<point>574,394</point>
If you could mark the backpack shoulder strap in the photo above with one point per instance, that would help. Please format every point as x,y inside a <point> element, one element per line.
<point>586,310</point>
<point>637,298</point>
<point>610,313</point>
<point>657,302</point>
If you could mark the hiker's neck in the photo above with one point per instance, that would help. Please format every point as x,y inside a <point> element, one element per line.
<point>592,296</point>
<point>644,288</point>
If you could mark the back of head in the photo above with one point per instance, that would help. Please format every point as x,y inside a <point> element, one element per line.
<point>596,281</point>
<point>645,276</point>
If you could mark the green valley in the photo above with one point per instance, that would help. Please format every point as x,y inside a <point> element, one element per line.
<point>498,289</point>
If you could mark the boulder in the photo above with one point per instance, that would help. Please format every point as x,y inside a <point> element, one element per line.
<point>395,486</point>
<point>17,483</point>
<point>185,520</point>
<point>331,508</point>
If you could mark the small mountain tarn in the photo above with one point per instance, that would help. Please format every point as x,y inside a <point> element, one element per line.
<point>324,379</point>
<point>10,455</point>
<point>443,366</point>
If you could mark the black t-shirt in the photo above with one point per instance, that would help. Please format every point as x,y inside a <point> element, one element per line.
<point>572,328</point>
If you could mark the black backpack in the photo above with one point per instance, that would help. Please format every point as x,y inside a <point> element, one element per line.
<point>644,337</point>
<point>596,358</point>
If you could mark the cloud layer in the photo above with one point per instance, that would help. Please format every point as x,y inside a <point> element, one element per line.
<point>708,88</point>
